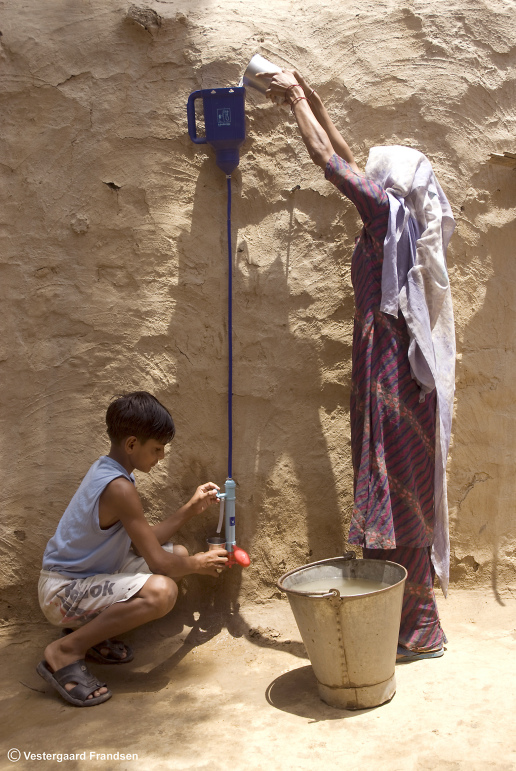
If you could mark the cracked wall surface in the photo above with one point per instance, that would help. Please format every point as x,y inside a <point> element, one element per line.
<point>113,264</point>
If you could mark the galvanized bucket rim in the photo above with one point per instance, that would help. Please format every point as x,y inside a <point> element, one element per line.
<point>335,593</point>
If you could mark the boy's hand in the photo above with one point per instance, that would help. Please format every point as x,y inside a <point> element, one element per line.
<point>203,497</point>
<point>211,563</point>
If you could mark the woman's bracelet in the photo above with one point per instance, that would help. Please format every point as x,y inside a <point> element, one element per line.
<point>287,95</point>
<point>312,92</point>
<point>296,100</point>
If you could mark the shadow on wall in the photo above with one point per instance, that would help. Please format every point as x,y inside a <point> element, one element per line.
<point>81,250</point>
<point>280,455</point>
<point>484,450</point>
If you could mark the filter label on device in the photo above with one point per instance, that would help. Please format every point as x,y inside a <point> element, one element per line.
<point>223,116</point>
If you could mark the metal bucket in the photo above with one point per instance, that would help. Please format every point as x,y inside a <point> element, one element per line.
<point>351,640</point>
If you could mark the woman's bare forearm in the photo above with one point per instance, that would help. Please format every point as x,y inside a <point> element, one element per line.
<point>285,85</point>
<point>320,112</point>
<point>312,133</point>
<point>318,131</point>
<point>338,142</point>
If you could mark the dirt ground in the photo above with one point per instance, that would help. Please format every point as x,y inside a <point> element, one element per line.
<point>202,694</point>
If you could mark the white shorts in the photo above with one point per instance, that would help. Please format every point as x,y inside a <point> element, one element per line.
<point>72,602</point>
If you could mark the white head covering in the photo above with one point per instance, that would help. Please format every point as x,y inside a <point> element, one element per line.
<point>415,280</point>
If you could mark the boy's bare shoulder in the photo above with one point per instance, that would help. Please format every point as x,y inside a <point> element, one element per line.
<point>119,500</point>
<point>120,486</point>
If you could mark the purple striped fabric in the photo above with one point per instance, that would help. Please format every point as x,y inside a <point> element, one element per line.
<point>420,627</point>
<point>392,432</point>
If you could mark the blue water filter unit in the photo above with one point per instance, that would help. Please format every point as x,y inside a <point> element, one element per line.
<point>224,122</point>
<point>229,505</point>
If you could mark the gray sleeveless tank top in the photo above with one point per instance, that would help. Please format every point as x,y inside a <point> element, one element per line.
<point>80,548</point>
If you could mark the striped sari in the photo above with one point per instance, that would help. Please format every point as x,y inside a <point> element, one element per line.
<point>392,431</point>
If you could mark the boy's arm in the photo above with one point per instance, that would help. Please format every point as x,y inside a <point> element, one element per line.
<point>121,502</point>
<point>203,497</point>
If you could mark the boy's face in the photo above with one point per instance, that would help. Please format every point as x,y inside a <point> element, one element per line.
<point>145,455</point>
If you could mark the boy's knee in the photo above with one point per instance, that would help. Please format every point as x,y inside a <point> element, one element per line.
<point>180,551</point>
<point>161,593</point>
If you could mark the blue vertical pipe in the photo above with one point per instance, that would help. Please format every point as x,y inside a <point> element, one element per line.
<point>230,335</point>
<point>230,485</point>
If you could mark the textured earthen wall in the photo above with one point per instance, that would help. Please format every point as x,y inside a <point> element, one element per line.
<point>113,262</point>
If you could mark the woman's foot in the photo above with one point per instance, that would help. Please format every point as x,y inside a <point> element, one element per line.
<point>406,654</point>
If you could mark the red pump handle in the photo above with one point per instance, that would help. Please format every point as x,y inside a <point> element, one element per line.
<point>238,557</point>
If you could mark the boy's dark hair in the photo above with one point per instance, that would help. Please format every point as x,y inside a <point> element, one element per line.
<point>139,414</point>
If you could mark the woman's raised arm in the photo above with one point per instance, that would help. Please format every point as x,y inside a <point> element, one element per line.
<point>339,144</point>
<point>318,131</point>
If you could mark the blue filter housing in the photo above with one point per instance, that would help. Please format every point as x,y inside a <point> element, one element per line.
<point>224,121</point>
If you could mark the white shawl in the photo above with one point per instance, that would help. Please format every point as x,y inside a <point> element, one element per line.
<point>415,280</point>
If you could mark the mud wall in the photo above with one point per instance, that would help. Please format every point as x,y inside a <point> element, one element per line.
<point>113,263</point>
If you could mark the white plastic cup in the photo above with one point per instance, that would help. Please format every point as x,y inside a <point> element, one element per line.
<point>256,65</point>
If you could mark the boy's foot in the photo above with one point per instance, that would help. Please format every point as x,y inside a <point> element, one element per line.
<point>405,654</point>
<point>84,684</point>
<point>111,652</point>
<point>58,659</point>
<point>108,651</point>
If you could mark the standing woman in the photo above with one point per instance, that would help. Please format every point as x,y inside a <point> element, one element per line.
<point>403,358</point>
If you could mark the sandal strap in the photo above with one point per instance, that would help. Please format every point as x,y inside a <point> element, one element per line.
<point>115,650</point>
<point>78,673</point>
<point>81,691</point>
<point>111,645</point>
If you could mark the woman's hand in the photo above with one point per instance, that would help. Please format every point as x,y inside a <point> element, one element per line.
<point>280,82</point>
<point>204,496</point>
<point>308,90</point>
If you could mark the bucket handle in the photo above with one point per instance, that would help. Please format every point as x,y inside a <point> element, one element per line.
<point>333,593</point>
<point>320,595</point>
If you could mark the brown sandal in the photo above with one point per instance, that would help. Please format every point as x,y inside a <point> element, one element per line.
<point>115,649</point>
<point>78,673</point>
